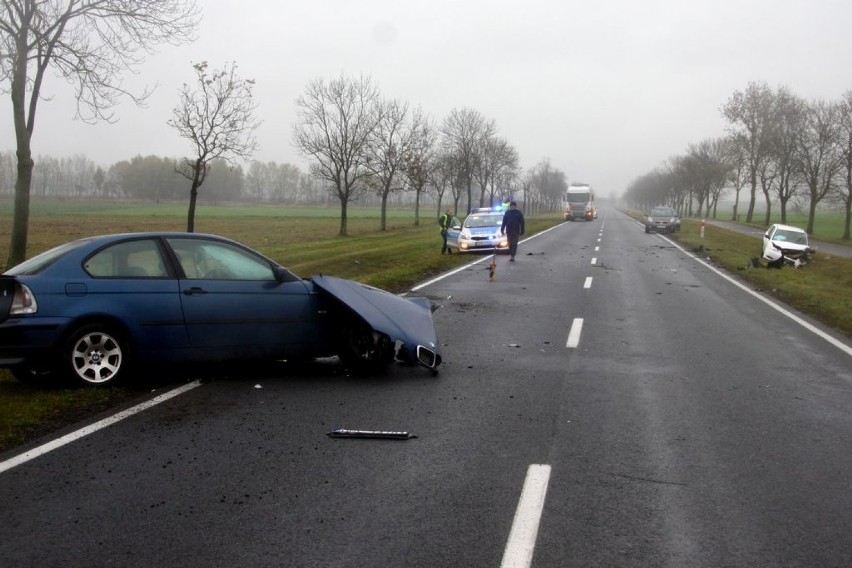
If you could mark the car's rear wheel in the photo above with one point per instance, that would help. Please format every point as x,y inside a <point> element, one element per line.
<point>95,354</point>
<point>362,348</point>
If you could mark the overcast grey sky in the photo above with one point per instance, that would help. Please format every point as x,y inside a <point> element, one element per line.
<point>607,90</point>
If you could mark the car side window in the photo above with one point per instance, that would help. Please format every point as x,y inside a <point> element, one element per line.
<point>212,260</point>
<point>140,258</point>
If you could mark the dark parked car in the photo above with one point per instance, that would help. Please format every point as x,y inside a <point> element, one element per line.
<point>662,220</point>
<point>94,309</point>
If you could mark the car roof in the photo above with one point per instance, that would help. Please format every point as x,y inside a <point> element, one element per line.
<point>789,228</point>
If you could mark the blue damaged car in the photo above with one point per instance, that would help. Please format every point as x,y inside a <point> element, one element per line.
<point>94,310</point>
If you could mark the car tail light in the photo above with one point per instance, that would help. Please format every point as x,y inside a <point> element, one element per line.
<point>23,302</point>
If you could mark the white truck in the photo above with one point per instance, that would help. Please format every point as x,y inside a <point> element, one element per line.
<point>580,202</point>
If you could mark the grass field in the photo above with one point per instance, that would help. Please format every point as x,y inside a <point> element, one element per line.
<point>306,241</point>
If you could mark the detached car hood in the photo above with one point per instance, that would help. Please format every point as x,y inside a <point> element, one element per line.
<point>406,321</point>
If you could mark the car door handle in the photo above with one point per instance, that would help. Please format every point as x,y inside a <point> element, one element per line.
<point>195,291</point>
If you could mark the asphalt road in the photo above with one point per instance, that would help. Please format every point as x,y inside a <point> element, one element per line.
<point>671,418</point>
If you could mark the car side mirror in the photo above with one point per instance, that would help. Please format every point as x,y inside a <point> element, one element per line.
<point>283,275</point>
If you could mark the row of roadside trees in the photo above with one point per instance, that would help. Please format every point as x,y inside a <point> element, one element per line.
<point>361,142</point>
<point>779,147</point>
<point>358,142</point>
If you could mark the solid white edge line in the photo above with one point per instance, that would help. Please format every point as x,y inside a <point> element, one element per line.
<point>77,434</point>
<point>574,334</point>
<point>813,329</point>
<point>588,283</point>
<point>521,544</point>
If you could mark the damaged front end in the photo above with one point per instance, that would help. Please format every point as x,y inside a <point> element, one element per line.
<point>777,256</point>
<point>382,327</point>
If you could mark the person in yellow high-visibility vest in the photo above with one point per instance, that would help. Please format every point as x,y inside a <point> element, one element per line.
<point>446,222</point>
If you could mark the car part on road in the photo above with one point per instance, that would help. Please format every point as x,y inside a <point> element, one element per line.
<point>345,433</point>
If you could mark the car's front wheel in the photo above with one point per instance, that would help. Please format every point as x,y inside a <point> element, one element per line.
<point>95,354</point>
<point>363,348</point>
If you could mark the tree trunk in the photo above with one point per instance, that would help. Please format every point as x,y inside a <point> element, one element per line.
<point>812,212</point>
<point>417,207</point>
<point>736,204</point>
<point>383,221</point>
<point>20,221</point>
<point>343,204</point>
<point>193,197</point>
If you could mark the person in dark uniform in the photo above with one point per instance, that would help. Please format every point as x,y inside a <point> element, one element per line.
<point>446,222</point>
<point>513,227</point>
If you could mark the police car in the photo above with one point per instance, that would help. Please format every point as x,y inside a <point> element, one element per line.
<point>480,231</point>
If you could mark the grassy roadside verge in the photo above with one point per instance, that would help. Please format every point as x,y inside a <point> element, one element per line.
<point>821,289</point>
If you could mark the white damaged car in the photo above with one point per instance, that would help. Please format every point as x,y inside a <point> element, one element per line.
<point>785,243</point>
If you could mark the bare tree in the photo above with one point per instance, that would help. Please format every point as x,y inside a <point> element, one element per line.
<point>498,162</point>
<point>503,158</point>
<point>463,130</point>
<point>389,147</point>
<point>738,175</point>
<point>544,186</point>
<point>440,176</point>
<point>819,152</point>
<point>216,115</point>
<point>749,114</point>
<point>845,189</point>
<point>419,161</point>
<point>786,124</point>
<point>87,42</point>
<point>336,122</point>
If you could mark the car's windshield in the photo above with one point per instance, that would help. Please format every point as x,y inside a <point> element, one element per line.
<point>476,220</point>
<point>796,237</point>
<point>662,212</point>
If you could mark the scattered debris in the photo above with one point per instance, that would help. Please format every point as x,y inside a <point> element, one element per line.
<point>345,433</point>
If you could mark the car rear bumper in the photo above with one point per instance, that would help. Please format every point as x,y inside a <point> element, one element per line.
<point>29,341</point>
